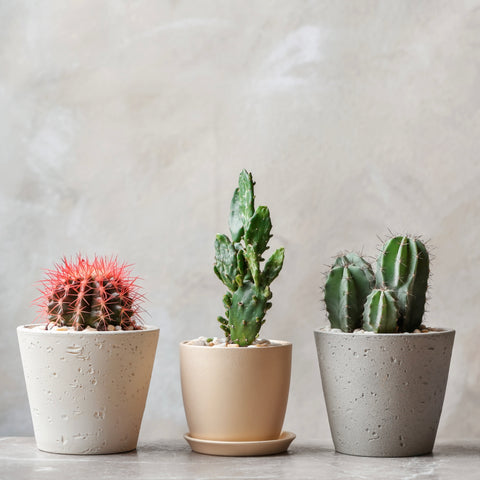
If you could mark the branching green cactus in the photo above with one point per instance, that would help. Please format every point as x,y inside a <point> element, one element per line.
<point>381,312</point>
<point>397,303</point>
<point>349,282</point>
<point>403,266</point>
<point>238,265</point>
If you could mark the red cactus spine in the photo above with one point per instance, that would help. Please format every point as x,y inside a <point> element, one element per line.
<point>98,293</point>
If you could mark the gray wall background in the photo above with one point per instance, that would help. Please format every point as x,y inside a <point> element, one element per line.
<point>124,125</point>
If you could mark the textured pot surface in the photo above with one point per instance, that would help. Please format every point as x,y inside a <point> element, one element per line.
<point>235,394</point>
<point>384,392</point>
<point>87,390</point>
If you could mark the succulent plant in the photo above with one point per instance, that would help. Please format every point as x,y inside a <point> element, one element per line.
<point>380,314</point>
<point>391,301</point>
<point>79,293</point>
<point>349,282</point>
<point>403,266</point>
<point>238,265</point>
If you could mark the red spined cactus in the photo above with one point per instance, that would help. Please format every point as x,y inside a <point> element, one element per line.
<point>98,293</point>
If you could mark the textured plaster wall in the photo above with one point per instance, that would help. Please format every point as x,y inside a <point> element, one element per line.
<point>124,125</point>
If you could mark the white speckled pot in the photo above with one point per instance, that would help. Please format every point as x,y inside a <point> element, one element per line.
<point>87,390</point>
<point>384,392</point>
<point>235,394</point>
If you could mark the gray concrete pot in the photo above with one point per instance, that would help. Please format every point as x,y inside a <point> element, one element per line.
<point>384,392</point>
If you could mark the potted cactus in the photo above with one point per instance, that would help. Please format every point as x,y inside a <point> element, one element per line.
<point>235,389</point>
<point>383,373</point>
<point>87,366</point>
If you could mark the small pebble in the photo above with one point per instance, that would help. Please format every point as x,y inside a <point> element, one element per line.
<point>216,342</point>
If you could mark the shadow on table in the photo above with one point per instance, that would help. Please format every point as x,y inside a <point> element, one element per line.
<point>456,449</point>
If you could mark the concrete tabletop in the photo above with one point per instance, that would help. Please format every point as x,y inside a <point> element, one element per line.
<point>173,459</point>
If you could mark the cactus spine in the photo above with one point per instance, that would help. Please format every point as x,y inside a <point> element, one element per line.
<point>80,293</point>
<point>238,265</point>
<point>348,284</point>
<point>381,312</point>
<point>403,266</point>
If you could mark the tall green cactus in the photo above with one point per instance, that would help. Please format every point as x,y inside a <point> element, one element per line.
<point>348,284</point>
<point>381,312</point>
<point>238,265</point>
<point>403,266</point>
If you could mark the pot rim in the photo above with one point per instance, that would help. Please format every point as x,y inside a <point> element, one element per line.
<point>30,329</point>
<point>276,344</point>
<point>435,331</point>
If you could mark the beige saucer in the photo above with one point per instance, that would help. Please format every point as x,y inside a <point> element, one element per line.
<point>241,449</point>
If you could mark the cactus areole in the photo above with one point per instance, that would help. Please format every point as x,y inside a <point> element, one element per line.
<point>96,293</point>
<point>238,264</point>
<point>391,301</point>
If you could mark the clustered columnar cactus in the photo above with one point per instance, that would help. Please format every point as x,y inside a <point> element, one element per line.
<point>391,301</point>
<point>237,265</point>
<point>80,293</point>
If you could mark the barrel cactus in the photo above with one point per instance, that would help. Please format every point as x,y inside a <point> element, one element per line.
<point>238,264</point>
<point>100,293</point>
<point>391,301</point>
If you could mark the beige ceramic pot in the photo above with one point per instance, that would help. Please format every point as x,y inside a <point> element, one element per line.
<point>235,394</point>
<point>87,390</point>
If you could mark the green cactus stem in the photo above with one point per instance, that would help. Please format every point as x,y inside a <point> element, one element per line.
<point>403,266</point>
<point>356,260</point>
<point>238,264</point>
<point>348,284</point>
<point>380,314</point>
<point>246,315</point>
